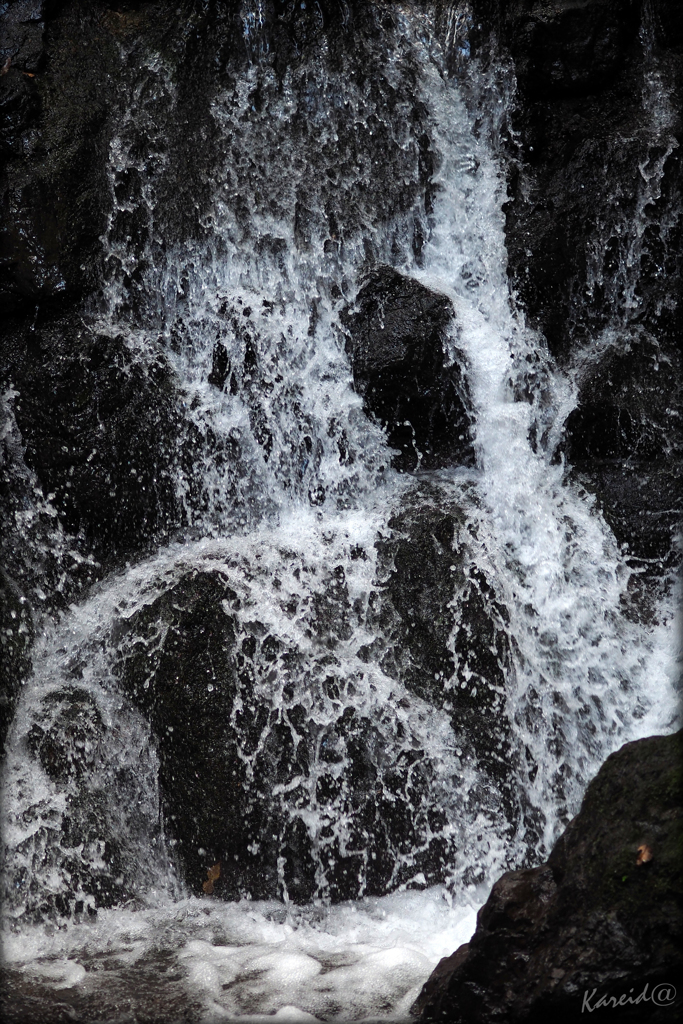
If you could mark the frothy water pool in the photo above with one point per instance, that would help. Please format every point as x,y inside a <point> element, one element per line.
<point>364,960</point>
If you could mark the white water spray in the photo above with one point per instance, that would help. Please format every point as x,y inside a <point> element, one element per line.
<point>289,478</point>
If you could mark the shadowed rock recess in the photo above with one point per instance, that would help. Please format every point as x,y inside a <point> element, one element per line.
<point>600,921</point>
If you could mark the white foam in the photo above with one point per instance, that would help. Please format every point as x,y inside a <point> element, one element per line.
<point>251,960</point>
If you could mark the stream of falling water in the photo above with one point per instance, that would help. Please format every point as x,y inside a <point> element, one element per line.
<point>287,478</point>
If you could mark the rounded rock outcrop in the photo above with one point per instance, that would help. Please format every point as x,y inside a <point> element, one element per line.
<point>398,341</point>
<point>600,923</point>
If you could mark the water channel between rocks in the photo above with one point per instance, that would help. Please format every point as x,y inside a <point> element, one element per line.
<point>363,690</point>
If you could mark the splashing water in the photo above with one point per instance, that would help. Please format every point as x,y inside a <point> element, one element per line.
<point>286,478</point>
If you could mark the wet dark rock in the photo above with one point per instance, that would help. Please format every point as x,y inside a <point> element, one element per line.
<point>100,430</point>
<point>443,630</point>
<point>628,447</point>
<point>220,366</point>
<point>16,638</point>
<point>237,732</point>
<point>70,69</point>
<point>592,921</point>
<point>179,665</point>
<point>53,188</point>
<point>569,48</point>
<point>399,354</point>
<point>267,764</point>
<point>594,227</point>
<point>88,844</point>
<point>68,746</point>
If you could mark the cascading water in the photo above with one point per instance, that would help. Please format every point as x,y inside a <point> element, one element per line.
<point>350,782</point>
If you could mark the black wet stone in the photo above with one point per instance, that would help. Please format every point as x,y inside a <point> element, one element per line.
<point>101,431</point>
<point>592,919</point>
<point>397,340</point>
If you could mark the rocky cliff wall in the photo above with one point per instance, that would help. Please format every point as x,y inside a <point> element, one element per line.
<point>594,231</point>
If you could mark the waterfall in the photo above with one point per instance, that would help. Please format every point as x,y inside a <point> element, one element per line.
<point>376,817</point>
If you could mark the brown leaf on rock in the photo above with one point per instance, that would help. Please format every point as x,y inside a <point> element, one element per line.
<point>644,854</point>
<point>212,874</point>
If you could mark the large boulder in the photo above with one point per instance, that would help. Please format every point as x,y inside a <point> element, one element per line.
<point>268,766</point>
<point>398,342</point>
<point>283,715</point>
<point>598,926</point>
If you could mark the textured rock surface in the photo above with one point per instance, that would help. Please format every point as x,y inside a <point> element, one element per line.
<point>625,439</point>
<point>398,343</point>
<point>70,69</point>
<point>242,718</point>
<point>590,920</point>
<point>16,637</point>
<point>594,228</point>
<point>442,630</point>
<point>103,803</point>
<point>252,727</point>
<point>100,431</point>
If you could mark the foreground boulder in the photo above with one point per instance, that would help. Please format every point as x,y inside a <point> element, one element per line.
<point>275,781</point>
<point>598,925</point>
<point>398,342</point>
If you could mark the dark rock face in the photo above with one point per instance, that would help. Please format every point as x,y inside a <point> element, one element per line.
<point>16,637</point>
<point>67,70</point>
<point>629,446</point>
<point>594,228</point>
<point>100,432</point>
<point>180,666</point>
<point>569,48</point>
<point>268,764</point>
<point>397,343</point>
<point>443,631</point>
<point>247,753</point>
<point>55,97</point>
<point>593,922</point>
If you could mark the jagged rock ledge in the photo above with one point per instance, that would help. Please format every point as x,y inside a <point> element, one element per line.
<point>596,927</point>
